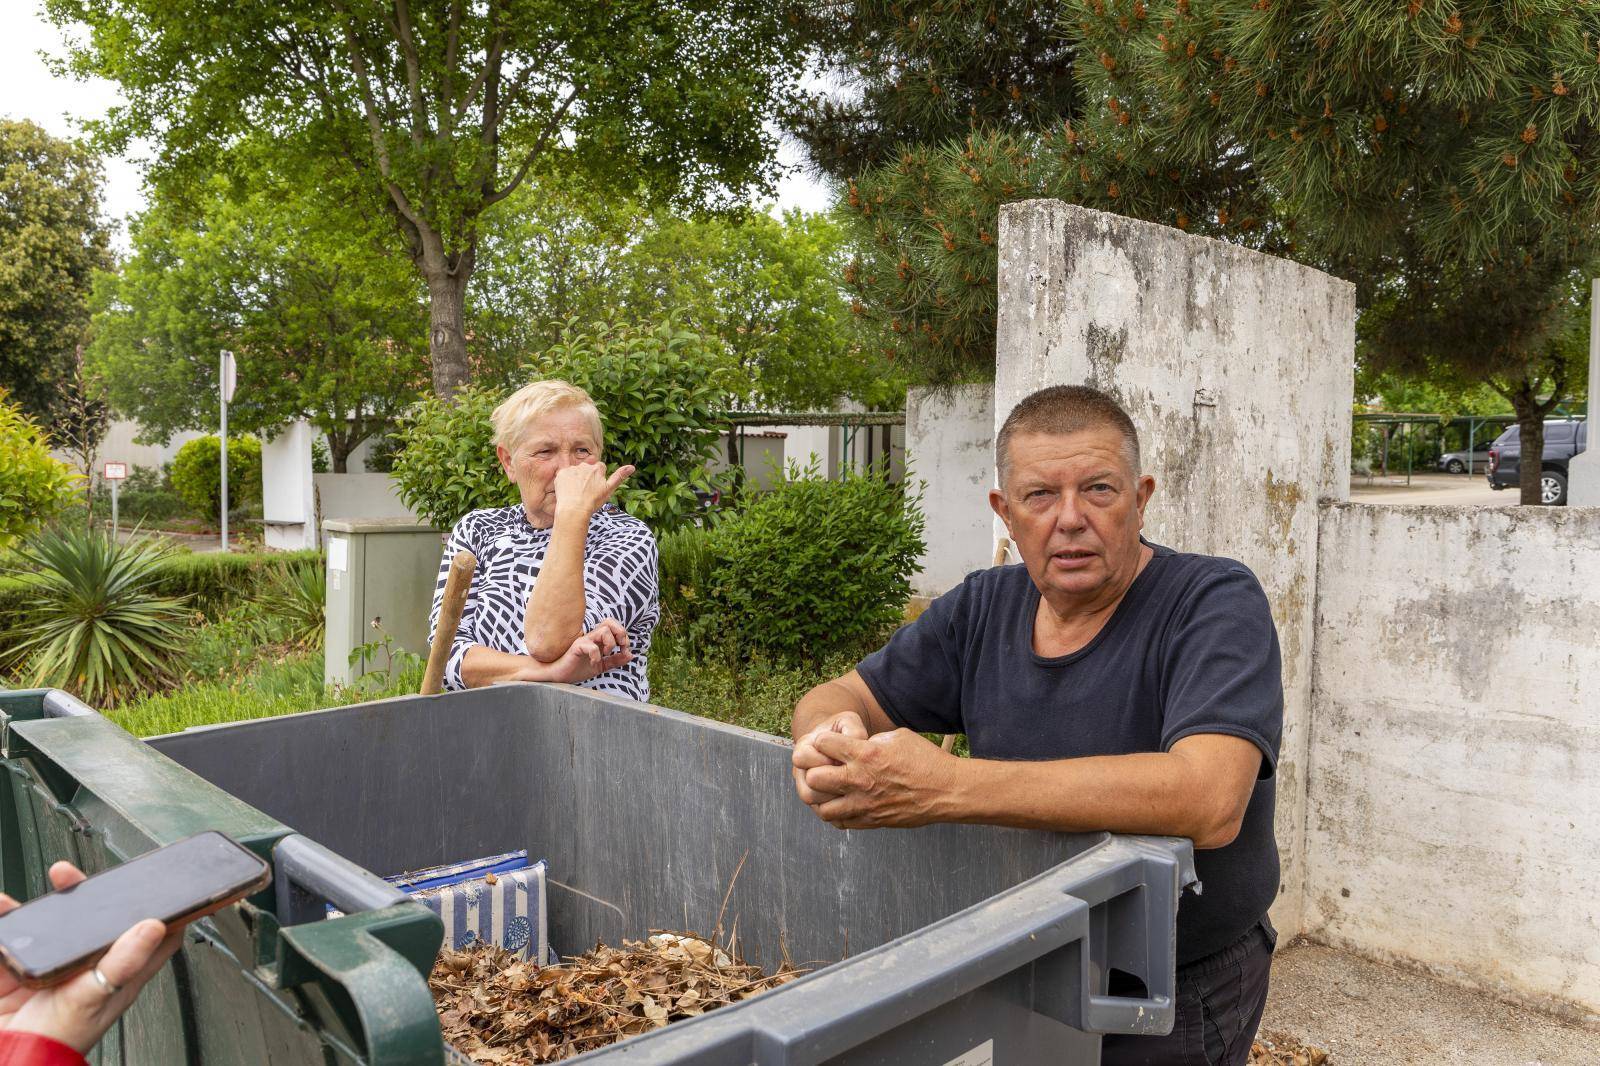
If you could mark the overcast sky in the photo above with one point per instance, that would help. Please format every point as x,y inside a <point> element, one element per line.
<point>28,90</point>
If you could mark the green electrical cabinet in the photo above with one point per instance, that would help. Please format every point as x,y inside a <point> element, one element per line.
<point>380,576</point>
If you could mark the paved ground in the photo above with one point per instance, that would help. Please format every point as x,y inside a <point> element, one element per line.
<point>1367,1014</point>
<point>1431,488</point>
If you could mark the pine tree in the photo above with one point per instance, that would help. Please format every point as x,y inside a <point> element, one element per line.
<point>1444,156</point>
<point>950,110</point>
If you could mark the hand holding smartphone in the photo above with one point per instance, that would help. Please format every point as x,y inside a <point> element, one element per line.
<point>77,957</point>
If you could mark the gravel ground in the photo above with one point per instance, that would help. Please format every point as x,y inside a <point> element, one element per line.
<point>1368,1014</point>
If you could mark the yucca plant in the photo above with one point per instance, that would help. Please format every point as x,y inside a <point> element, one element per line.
<point>93,623</point>
<point>293,604</point>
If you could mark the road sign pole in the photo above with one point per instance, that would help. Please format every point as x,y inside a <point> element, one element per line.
<point>114,510</point>
<point>222,393</point>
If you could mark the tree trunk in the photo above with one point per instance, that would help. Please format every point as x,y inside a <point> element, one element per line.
<point>1530,421</point>
<point>339,449</point>
<point>447,276</point>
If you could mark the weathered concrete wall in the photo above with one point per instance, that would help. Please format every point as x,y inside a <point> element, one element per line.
<point>950,446</point>
<point>1236,367</point>
<point>1454,807</point>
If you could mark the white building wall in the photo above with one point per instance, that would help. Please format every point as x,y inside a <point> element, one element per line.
<point>950,450</point>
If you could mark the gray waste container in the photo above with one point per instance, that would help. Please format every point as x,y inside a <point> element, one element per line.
<point>943,945</point>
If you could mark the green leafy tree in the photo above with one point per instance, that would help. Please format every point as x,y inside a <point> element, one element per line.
<point>434,111</point>
<point>34,485</point>
<point>1443,156</point>
<point>52,240</point>
<point>768,289</point>
<point>323,324</point>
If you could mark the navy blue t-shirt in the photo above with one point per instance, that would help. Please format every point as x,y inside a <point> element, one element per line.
<point>1190,649</point>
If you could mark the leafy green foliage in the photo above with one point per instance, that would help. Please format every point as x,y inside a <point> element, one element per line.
<point>659,391</point>
<point>95,624</point>
<point>447,464</point>
<point>756,692</point>
<point>52,240</point>
<point>216,584</point>
<point>296,599</point>
<point>431,113</point>
<point>810,568</point>
<point>325,326</point>
<point>768,290</point>
<point>33,484</point>
<point>197,473</point>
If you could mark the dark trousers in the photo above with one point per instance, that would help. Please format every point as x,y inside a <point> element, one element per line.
<point>1220,1000</point>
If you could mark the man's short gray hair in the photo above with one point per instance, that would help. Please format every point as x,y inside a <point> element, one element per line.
<point>1062,409</point>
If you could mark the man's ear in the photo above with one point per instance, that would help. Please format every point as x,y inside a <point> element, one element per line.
<point>505,460</point>
<point>1146,489</point>
<point>999,505</point>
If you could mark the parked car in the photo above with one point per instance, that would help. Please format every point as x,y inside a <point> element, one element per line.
<point>1457,462</point>
<point>1562,440</point>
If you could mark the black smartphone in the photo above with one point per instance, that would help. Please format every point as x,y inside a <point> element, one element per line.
<point>62,933</point>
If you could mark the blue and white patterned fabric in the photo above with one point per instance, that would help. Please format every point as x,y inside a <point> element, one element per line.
<point>619,581</point>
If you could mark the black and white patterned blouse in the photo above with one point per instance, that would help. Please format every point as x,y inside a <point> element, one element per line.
<point>619,581</point>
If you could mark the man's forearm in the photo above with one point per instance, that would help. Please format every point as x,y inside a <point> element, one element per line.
<point>822,703</point>
<point>555,610</point>
<point>1154,793</point>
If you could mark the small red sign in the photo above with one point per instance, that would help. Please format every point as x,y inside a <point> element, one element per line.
<point>116,471</point>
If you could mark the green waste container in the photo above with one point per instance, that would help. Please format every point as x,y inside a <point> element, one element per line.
<point>943,945</point>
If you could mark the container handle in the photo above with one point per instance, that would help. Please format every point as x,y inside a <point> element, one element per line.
<point>58,704</point>
<point>307,876</point>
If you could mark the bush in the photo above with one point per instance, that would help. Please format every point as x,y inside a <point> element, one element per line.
<point>96,624</point>
<point>33,485</point>
<point>197,474</point>
<point>215,583</point>
<point>658,392</point>
<point>811,568</point>
<point>447,464</point>
<point>757,693</point>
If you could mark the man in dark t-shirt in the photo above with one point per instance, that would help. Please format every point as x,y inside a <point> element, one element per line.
<point>1107,683</point>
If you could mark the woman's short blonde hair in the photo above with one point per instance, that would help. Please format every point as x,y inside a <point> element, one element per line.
<point>513,418</point>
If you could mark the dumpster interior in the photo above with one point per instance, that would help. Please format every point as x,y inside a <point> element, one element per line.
<point>643,817</point>
<point>647,820</point>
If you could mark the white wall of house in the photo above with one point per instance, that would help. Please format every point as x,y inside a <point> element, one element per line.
<point>950,449</point>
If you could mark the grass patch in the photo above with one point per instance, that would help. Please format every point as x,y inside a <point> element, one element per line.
<point>286,685</point>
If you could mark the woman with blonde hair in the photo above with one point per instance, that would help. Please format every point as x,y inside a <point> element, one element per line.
<point>566,586</point>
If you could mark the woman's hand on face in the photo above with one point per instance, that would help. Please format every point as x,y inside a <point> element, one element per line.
<point>584,488</point>
<point>605,647</point>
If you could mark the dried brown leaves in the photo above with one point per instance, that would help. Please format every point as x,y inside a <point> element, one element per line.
<point>1276,1049</point>
<point>497,1008</point>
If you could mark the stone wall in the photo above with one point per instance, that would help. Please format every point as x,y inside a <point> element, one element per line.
<point>1237,367</point>
<point>1454,793</point>
<point>950,446</point>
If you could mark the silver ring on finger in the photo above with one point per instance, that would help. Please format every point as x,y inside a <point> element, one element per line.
<point>105,983</point>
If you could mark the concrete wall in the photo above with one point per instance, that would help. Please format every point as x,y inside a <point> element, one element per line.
<point>357,496</point>
<point>950,449</point>
<point>288,496</point>
<point>1454,802</point>
<point>119,447</point>
<point>1237,368</point>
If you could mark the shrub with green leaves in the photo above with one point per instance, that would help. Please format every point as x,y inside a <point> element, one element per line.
<point>33,484</point>
<point>658,391</point>
<point>95,623</point>
<point>813,567</point>
<point>294,603</point>
<point>447,465</point>
<point>197,474</point>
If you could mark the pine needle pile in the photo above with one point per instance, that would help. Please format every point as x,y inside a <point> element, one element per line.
<point>1275,1049</point>
<point>497,1008</point>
